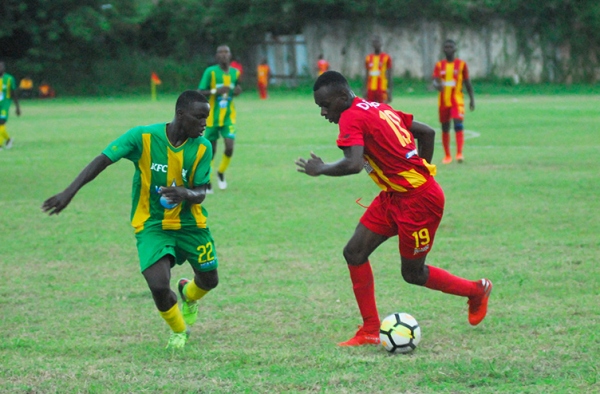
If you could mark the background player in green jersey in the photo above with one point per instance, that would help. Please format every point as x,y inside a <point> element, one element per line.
<point>8,94</point>
<point>221,83</point>
<point>172,170</point>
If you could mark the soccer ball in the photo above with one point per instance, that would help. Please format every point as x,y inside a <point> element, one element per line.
<point>399,333</point>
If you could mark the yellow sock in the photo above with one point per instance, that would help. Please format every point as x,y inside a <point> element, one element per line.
<point>224,163</point>
<point>192,292</point>
<point>174,319</point>
<point>3,134</point>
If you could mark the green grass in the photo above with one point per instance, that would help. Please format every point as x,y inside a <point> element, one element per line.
<point>523,210</point>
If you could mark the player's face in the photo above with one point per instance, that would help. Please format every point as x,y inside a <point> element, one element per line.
<point>449,48</point>
<point>376,44</point>
<point>223,54</point>
<point>332,103</point>
<point>194,119</point>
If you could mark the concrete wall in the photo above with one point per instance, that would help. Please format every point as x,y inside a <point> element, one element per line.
<point>415,48</point>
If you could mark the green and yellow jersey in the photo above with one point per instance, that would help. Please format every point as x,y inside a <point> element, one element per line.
<point>7,85</point>
<point>222,109</point>
<point>158,163</point>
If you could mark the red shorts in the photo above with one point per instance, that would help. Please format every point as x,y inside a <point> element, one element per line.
<point>454,112</point>
<point>378,96</point>
<point>413,218</point>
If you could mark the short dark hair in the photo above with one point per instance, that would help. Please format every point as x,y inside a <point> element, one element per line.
<point>331,78</point>
<point>188,97</point>
<point>450,41</point>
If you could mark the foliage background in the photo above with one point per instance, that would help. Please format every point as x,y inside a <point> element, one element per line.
<point>89,46</point>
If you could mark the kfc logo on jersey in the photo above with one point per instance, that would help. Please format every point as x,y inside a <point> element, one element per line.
<point>159,167</point>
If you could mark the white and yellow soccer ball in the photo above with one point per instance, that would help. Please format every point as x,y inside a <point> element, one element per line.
<point>399,333</point>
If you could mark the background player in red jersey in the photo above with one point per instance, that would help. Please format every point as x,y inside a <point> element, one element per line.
<point>381,140</point>
<point>322,65</point>
<point>448,77</point>
<point>378,76</point>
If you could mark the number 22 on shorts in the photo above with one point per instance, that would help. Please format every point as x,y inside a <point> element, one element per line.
<point>205,253</point>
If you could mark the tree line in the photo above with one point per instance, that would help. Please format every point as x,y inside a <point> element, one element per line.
<point>91,45</point>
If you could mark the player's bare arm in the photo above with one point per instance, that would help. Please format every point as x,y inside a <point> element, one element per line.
<point>390,84</point>
<point>438,84</point>
<point>55,204</point>
<point>425,137</point>
<point>177,194</point>
<point>351,163</point>
<point>469,88</point>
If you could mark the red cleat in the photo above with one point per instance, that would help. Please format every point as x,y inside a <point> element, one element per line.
<point>447,160</point>
<point>362,338</point>
<point>460,158</point>
<point>478,304</point>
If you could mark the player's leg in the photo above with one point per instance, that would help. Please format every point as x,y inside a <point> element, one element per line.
<point>4,137</point>
<point>457,115</point>
<point>158,277</point>
<point>198,247</point>
<point>416,237</point>
<point>444,114</point>
<point>357,252</point>
<point>229,138</point>
<point>374,228</point>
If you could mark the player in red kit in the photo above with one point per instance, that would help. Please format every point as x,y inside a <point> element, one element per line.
<point>381,140</point>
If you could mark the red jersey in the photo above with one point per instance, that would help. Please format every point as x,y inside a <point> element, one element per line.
<point>390,152</point>
<point>377,67</point>
<point>452,75</point>
<point>322,66</point>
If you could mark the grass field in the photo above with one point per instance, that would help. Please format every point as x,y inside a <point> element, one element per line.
<point>523,210</point>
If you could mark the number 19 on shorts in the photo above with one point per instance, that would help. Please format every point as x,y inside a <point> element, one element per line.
<point>422,240</point>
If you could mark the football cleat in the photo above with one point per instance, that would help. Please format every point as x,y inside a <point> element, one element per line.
<point>9,143</point>
<point>209,189</point>
<point>460,158</point>
<point>362,338</point>
<point>177,340</point>
<point>189,309</point>
<point>221,181</point>
<point>478,304</point>
<point>447,160</point>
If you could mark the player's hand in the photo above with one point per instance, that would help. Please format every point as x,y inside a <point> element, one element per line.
<point>472,105</point>
<point>222,90</point>
<point>389,97</point>
<point>237,90</point>
<point>173,194</point>
<point>18,111</point>
<point>311,166</point>
<point>55,204</point>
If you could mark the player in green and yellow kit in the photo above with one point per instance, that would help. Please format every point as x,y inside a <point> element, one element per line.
<point>8,94</point>
<point>221,83</point>
<point>172,170</point>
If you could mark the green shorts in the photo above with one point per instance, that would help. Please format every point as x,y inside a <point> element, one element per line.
<point>213,133</point>
<point>195,245</point>
<point>4,109</point>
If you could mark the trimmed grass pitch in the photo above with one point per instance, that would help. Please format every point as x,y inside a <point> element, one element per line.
<point>523,210</point>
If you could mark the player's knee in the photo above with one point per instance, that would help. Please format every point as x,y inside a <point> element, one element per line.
<point>458,126</point>
<point>229,151</point>
<point>353,256</point>
<point>414,276</point>
<point>207,280</point>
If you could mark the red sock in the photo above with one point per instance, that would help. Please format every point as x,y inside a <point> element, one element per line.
<point>446,282</point>
<point>446,143</point>
<point>363,285</point>
<point>460,140</point>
